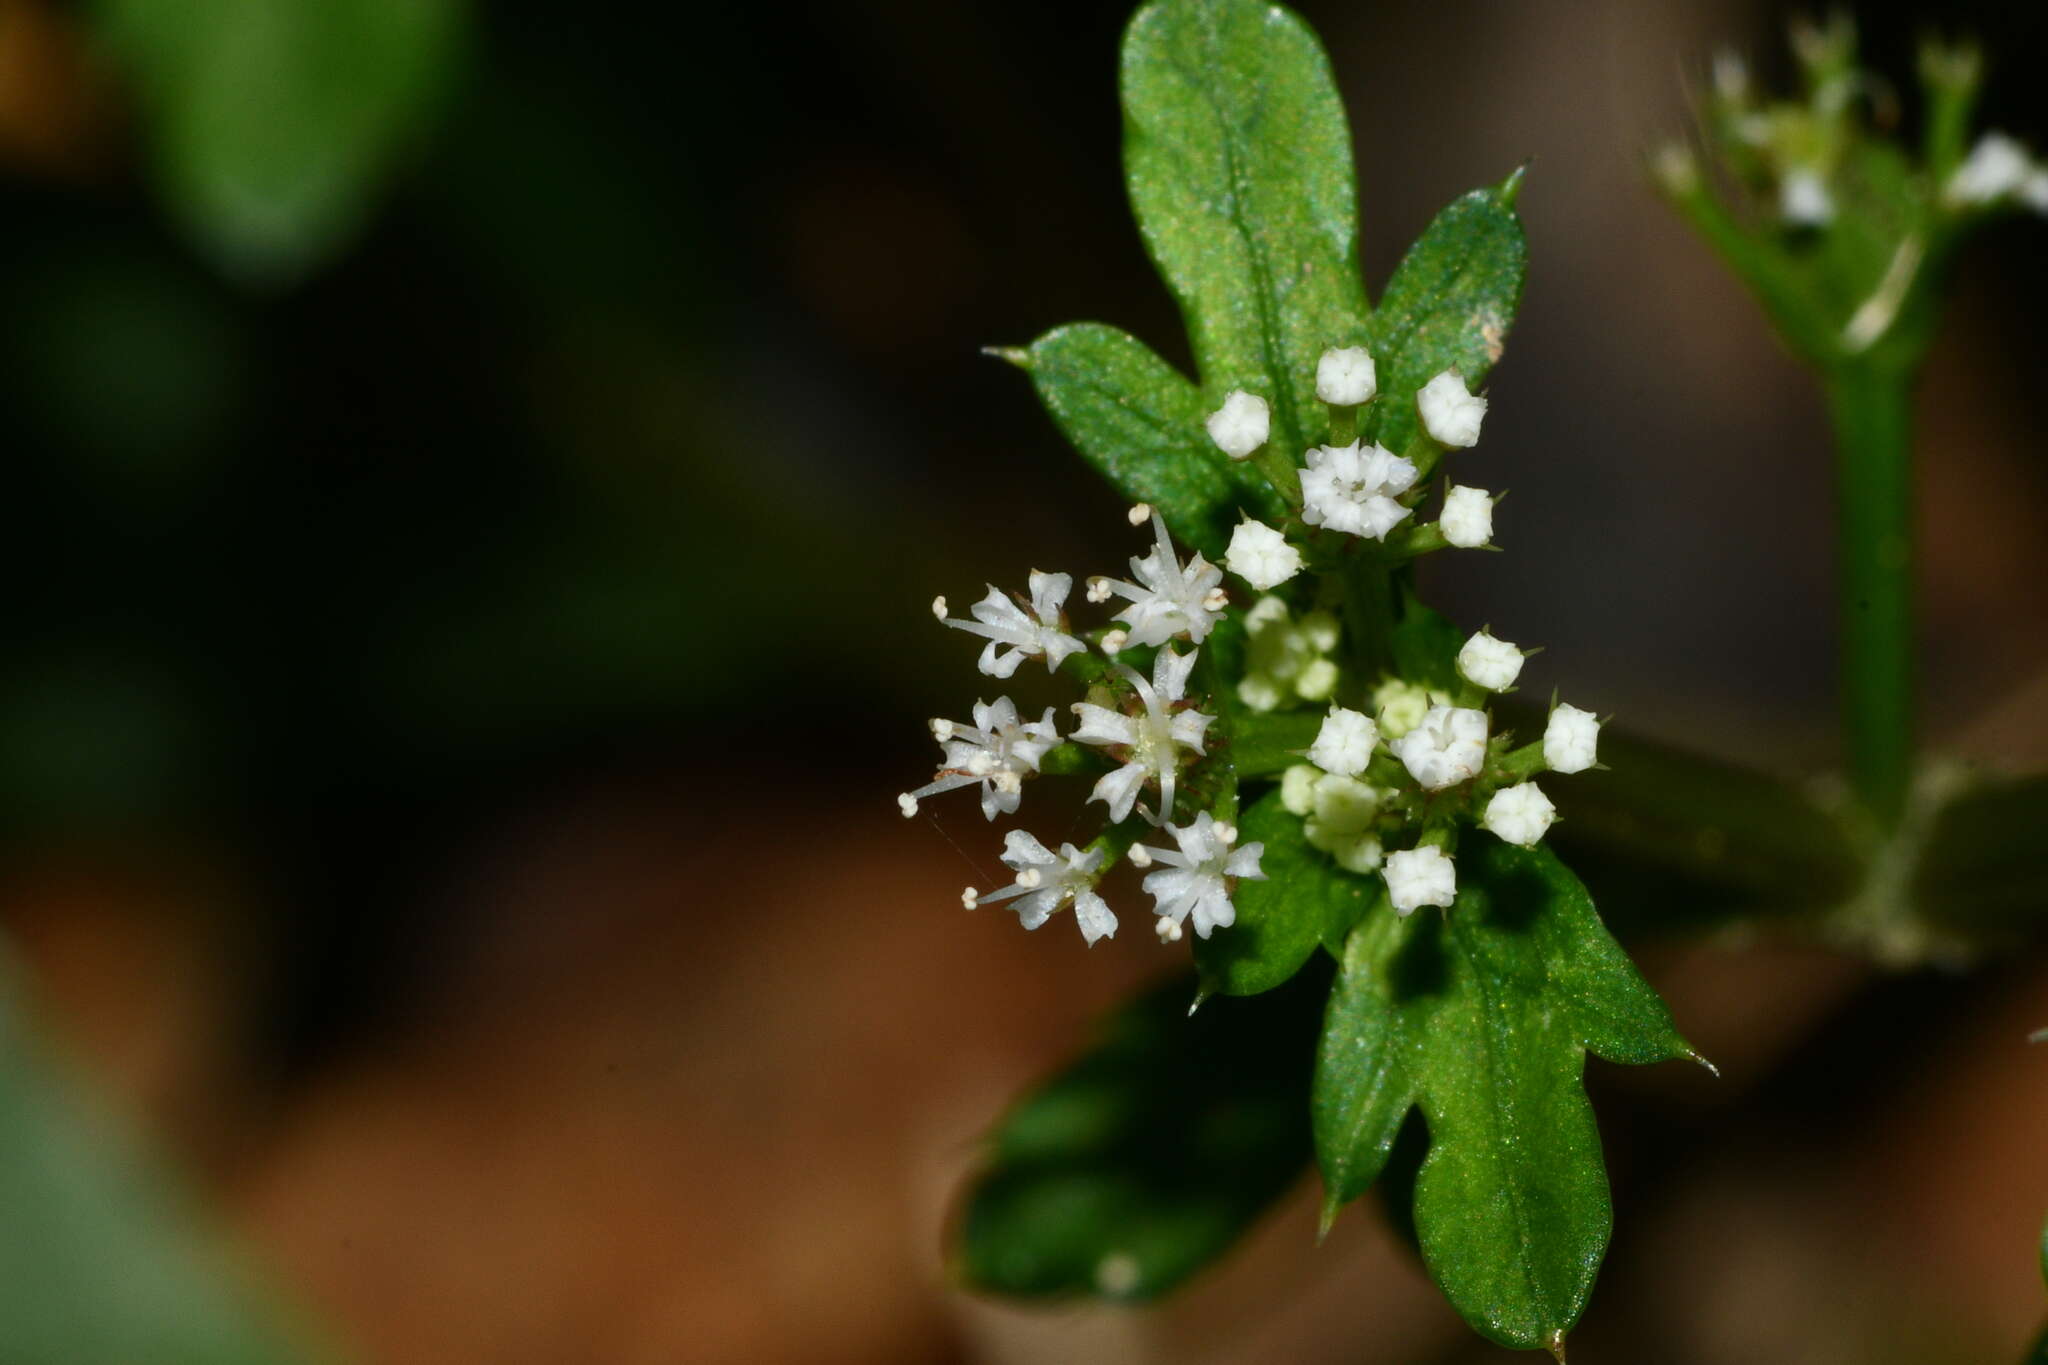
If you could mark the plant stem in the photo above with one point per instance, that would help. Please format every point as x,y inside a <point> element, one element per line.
<point>1870,406</point>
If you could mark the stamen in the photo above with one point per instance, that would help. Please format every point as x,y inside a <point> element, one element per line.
<point>1030,878</point>
<point>1114,642</point>
<point>942,730</point>
<point>1139,514</point>
<point>907,804</point>
<point>1098,589</point>
<point>970,899</point>
<point>1140,856</point>
<point>939,608</point>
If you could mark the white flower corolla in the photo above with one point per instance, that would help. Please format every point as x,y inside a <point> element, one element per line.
<point>1519,814</point>
<point>1448,747</point>
<point>1339,821</point>
<point>1169,598</point>
<point>1421,876</point>
<point>996,751</point>
<point>1400,706</point>
<point>1241,425</point>
<point>1467,518</point>
<point>1195,882</point>
<point>1152,740</point>
<point>1345,743</point>
<point>1002,622</point>
<point>2033,191</point>
<point>1346,377</point>
<point>1996,167</point>
<point>1571,740</point>
<point>1731,76</point>
<point>1353,488</point>
<point>1803,198</point>
<point>1489,663</point>
<point>1284,658</point>
<point>1450,413</point>
<point>1046,881</point>
<point>1261,556</point>
<point>1298,787</point>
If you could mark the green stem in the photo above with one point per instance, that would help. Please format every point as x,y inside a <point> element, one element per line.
<point>1872,414</point>
<point>1368,607</point>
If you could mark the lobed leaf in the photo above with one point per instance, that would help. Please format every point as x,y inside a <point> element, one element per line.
<point>1482,1017</point>
<point>1148,1157</point>
<point>1306,900</point>
<point>1140,423</point>
<point>1449,304</point>
<point>1238,162</point>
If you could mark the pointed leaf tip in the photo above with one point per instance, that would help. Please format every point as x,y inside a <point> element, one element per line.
<point>1510,189</point>
<point>1556,1346</point>
<point>1020,356</point>
<point>1327,1217</point>
<point>1712,1070</point>
<point>1202,993</point>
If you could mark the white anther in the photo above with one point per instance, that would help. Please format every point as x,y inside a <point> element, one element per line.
<point>906,803</point>
<point>942,730</point>
<point>1139,514</point>
<point>970,899</point>
<point>1216,600</point>
<point>1115,641</point>
<point>1139,856</point>
<point>1098,589</point>
<point>1029,878</point>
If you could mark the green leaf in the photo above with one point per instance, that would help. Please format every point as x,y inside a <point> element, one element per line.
<point>1306,900</point>
<point>272,123</point>
<point>102,1260</point>
<point>1482,1017</point>
<point>1149,1156</point>
<point>1425,644</point>
<point>1269,742</point>
<point>1140,423</point>
<point>1449,305</point>
<point>1239,166</point>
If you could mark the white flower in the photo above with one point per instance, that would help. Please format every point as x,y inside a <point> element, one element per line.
<point>1002,622</point>
<point>995,751</point>
<point>1450,414</point>
<point>1284,657</point>
<point>1571,739</point>
<point>1169,598</point>
<point>1261,556</point>
<point>1519,814</point>
<point>1240,426</point>
<point>1046,881</point>
<point>1996,167</point>
<point>1349,488</point>
<point>1803,199</point>
<point>1298,787</point>
<point>1153,739</point>
<point>1344,745</point>
<point>2034,192</point>
<point>1448,747</point>
<point>1401,706</point>
<point>1346,377</point>
<point>1421,876</point>
<point>1467,518</point>
<point>1489,663</point>
<point>1198,879</point>
<point>1340,820</point>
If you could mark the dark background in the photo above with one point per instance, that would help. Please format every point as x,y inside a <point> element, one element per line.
<point>453,698</point>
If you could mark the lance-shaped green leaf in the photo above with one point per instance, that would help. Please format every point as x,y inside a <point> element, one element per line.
<point>1153,1153</point>
<point>1482,1016</point>
<point>1305,900</point>
<point>1449,305</point>
<point>1140,423</point>
<point>1239,166</point>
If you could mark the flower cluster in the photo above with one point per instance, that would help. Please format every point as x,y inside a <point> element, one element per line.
<point>1186,681</point>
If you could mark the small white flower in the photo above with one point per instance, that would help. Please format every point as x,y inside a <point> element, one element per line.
<point>1346,377</point>
<point>1241,425</point>
<point>1340,821</point>
<point>1197,880</point>
<point>1803,199</point>
<point>1298,787</point>
<point>1169,598</point>
<point>1467,518</point>
<point>1261,556</point>
<point>1153,739</point>
<point>1046,881</point>
<point>1450,413</point>
<point>1353,488</point>
<point>1421,876</point>
<point>1002,622</point>
<point>1571,740</point>
<point>1448,747</point>
<point>1489,663</point>
<point>2034,191</point>
<point>995,751</point>
<point>1519,814</point>
<point>1401,706</point>
<point>1996,167</point>
<point>1345,743</point>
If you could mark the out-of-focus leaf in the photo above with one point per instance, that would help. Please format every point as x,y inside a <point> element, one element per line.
<point>1482,1016</point>
<point>1425,644</point>
<point>1239,167</point>
<point>1304,901</point>
<point>273,123</point>
<point>1148,1157</point>
<point>1449,305</point>
<point>1140,423</point>
<point>99,1265</point>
